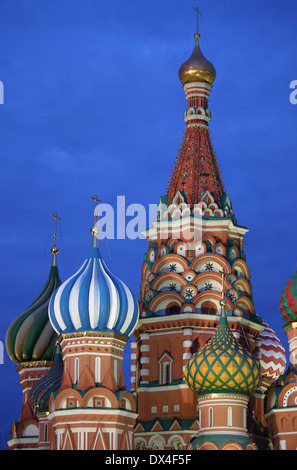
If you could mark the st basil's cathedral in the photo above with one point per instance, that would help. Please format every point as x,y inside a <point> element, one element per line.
<point>207,372</point>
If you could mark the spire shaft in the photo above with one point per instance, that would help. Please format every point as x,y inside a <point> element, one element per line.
<point>55,249</point>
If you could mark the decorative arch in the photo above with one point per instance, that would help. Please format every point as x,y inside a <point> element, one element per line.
<point>245,304</point>
<point>209,238</point>
<point>145,270</point>
<point>140,443</point>
<point>151,256</point>
<point>28,427</point>
<point>200,249</point>
<point>233,294</point>
<point>176,442</point>
<point>242,285</point>
<point>207,299</point>
<point>214,276</point>
<point>285,397</point>
<point>143,288</point>
<point>220,249</point>
<point>109,397</point>
<point>170,262</point>
<point>161,301</point>
<point>189,292</point>
<point>163,250</point>
<point>241,268</point>
<point>60,400</point>
<point>171,243</point>
<point>189,275</point>
<point>234,253</point>
<point>128,400</point>
<point>188,308</point>
<point>149,294</point>
<point>180,249</point>
<point>218,262</point>
<point>207,445</point>
<point>232,446</point>
<point>157,442</point>
<point>165,279</point>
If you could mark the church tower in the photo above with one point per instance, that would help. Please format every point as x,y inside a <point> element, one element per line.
<point>194,239</point>
<point>93,312</point>
<point>223,375</point>
<point>281,406</point>
<point>30,344</point>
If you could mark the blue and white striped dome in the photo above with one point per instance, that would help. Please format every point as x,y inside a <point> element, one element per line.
<point>93,299</point>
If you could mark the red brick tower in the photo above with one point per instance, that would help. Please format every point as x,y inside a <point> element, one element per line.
<point>194,239</point>
<point>281,406</point>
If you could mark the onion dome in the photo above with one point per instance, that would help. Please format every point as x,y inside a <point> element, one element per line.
<point>93,299</point>
<point>31,337</point>
<point>49,383</point>
<point>288,305</point>
<point>197,68</point>
<point>271,354</point>
<point>223,365</point>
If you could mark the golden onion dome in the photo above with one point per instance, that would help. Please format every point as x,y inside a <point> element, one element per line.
<point>197,68</point>
<point>223,365</point>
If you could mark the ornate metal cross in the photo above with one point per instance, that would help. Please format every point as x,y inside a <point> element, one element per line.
<point>55,216</point>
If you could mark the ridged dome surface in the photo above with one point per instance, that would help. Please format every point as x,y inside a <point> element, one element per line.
<point>197,68</point>
<point>271,353</point>
<point>93,299</point>
<point>288,299</point>
<point>223,365</point>
<point>48,384</point>
<point>31,336</point>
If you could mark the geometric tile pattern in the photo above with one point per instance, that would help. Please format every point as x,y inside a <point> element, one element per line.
<point>223,365</point>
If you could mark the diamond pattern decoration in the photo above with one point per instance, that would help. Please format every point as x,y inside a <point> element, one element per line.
<point>223,365</point>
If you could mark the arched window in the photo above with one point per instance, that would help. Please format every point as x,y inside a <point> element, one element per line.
<point>165,368</point>
<point>229,416</point>
<point>244,418</point>
<point>210,417</point>
<point>172,310</point>
<point>115,369</point>
<point>166,373</point>
<point>46,431</point>
<point>76,370</point>
<point>208,245</point>
<point>98,369</point>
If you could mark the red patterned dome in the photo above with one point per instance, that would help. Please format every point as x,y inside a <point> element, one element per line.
<point>271,354</point>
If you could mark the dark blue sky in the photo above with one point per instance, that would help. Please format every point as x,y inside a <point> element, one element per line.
<point>93,104</point>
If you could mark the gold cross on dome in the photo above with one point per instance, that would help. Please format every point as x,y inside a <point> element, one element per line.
<point>198,13</point>
<point>223,281</point>
<point>55,216</point>
<point>95,199</point>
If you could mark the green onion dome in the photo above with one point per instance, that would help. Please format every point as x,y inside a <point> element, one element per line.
<point>288,306</point>
<point>223,365</point>
<point>31,337</point>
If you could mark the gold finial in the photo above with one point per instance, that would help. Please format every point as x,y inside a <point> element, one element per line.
<point>95,199</point>
<point>94,229</point>
<point>54,249</point>
<point>223,301</point>
<point>197,35</point>
<point>223,281</point>
<point>197,68</point>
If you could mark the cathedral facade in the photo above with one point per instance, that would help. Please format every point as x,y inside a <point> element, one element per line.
<point>208,373</point>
